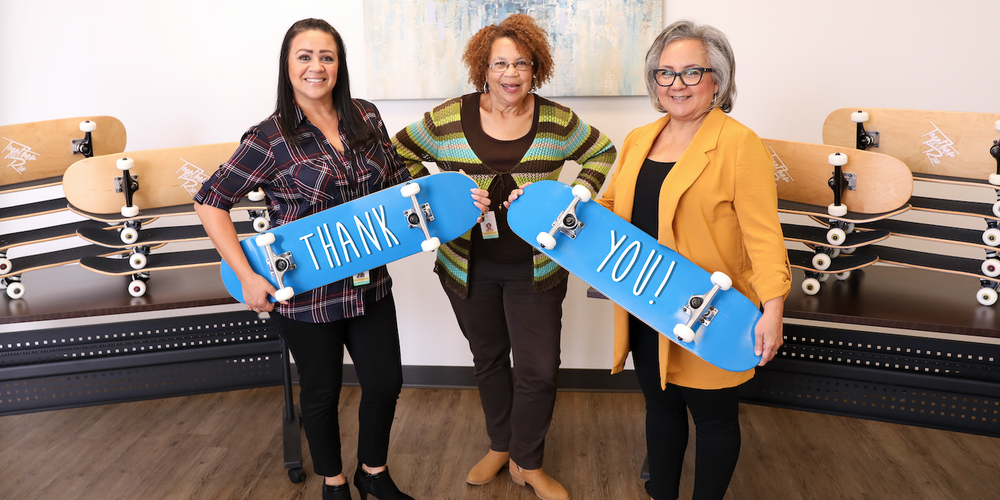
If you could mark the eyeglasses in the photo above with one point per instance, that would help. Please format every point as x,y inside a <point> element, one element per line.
<point>501,66</point>
<point>690,76</point>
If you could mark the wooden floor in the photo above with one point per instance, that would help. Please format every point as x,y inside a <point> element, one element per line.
<point>228,446</point>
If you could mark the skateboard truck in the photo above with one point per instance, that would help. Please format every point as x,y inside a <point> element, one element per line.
<point>567,222</point>
<point>699,308</point>
<point>137,288</point>
<point>419,216</point>
<point>278,265</point>
<point>260,222</point>
<point>865,138</point>
<point>85,146</point>
<point>995,153</point>
<point>127,184</point>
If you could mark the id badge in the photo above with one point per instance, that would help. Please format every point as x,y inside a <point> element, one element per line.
<point>361,279</point>
<point>489,226</point>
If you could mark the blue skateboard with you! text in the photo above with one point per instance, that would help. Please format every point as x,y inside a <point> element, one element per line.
<point>354,237</point>
<point>692,307</point>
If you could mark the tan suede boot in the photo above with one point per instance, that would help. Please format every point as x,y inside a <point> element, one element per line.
<point>545,487</point>
<point>487,468</point>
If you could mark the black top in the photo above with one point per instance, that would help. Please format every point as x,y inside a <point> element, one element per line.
<point>645,207</point>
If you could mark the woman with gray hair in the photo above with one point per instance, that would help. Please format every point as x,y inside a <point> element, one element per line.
<point>703,184</point>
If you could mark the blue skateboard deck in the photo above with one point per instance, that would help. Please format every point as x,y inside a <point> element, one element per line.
<point>649,280</point>
<point>362,234</point>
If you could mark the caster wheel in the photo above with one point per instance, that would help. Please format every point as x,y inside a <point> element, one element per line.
<point>296,475</point>
<point>137,288</point>
<point>130,212</point>
<point>810,286</point>
<point>836,236</point>
<point>409,189</point>
<point>582,193</point>
<point>88,126</point>
<point>987,296</point>
<point>15,290</point>
<point>843,276</point>
<point>261,224</point>
<point>821,261</point>
<point>837,210</point>
<point>257,195</point>
<point>137,261</point>
<point>125,163</point>
<point>284,294</point>
<point>5,265</point>
<point>546,241</point>
<point>129,235</point>
<point>859,116</point>
<point>723,281</point>
<point>991,267</point>
<point>430,245</point>
<point>837,159</point>
<point>991,236</point>
<point>264,239</point>
<point>683,333</point>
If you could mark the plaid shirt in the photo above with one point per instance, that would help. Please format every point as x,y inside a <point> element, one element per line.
<point>303,179</point>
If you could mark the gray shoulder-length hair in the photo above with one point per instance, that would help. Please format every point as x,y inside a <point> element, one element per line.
<point>720,57</point>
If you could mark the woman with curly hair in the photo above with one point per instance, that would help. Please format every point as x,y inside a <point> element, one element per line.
<point>507,296</point>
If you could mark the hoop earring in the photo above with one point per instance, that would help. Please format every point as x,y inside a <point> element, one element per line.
<point>486,88</point>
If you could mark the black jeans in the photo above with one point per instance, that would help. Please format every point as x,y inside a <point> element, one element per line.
<point>318,349</point>
<point>716,419</point>
<point>502,314</point>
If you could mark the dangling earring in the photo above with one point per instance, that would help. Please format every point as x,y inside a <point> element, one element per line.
<point>534,87</point>
<point>486,88</point>
<point>715,99</point>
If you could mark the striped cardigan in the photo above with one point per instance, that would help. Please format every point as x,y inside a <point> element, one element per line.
<point>440,138</point>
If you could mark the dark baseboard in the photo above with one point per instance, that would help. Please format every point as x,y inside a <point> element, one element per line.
<point>460,377</point>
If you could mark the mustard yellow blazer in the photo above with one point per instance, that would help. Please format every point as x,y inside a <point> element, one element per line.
<point>719,208</point>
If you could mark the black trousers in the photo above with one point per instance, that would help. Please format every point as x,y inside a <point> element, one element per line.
<point>500,316</point>
<point>318,349</point>
<point>716,419</point>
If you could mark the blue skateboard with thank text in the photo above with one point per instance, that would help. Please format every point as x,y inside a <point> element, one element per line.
<point>360,235</point>
<point>696,309</point>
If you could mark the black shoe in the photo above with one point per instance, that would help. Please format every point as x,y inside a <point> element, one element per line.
<point>378,485</point>
<point>338,492</point>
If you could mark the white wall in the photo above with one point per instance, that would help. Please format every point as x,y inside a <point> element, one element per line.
<point>195,72</point>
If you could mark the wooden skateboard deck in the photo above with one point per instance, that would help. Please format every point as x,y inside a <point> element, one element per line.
<point>651,281</point>
<point>155,235</point>
<point>37,151</point>
<point>12,280</point>
<point>940,143</point>
<point>802,172</point>
<point>816,236</point>
<point>933,232</point>
<point>165,177</point>
<point>841,267</point>
<point>156,262</point>
<point>175,210</point>
<point>954,207</point>
<point>987,294</point>
<point>32,209</point>
<point>360,235</point>
<point>791,207</point>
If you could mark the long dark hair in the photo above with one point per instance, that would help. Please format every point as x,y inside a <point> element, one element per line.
<point>358,131</point>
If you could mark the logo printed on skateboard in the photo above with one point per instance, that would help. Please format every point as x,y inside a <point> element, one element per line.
<point>19,154</point>
<point>940,145</point>
<point>192,175</point>
<point>780,169</point>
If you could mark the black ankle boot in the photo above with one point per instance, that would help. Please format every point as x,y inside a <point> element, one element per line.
<point>378,485</point>
<point>338,492</point>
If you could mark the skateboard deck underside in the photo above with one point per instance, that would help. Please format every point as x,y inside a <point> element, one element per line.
<point>933,232</point>
<point>43,150</point>
<point>155,262</point>
<point>802,259</point>
<point>944,143</point>
<point>32,209</point>
<point>649,280</point>
<point>802,172</point>
<point>49,233</point>
<point>361,235</point>
<point>57,258</point>
<point>166,177</point>
<point>935,262</point>
<point>154,235</point>
<point>812,235</point>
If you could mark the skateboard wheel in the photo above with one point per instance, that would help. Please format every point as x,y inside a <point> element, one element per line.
<point>991,267</point>
<point>264,239</point>
<point>15,290</point>
<point>581,192</point>
<point>137,261</point>
<point>137,288</point>
<point>284,294</point>
<point>256,195</point>
<point>991,236</point>
<point>821,261</point>
<point>723,281</point>
<point>987,296</point>
<point>835,253</point>
<point>261,224</point>
<point>130,212</point>
<point>850,228</point>
<point>996,209</point>
<point>5,265</point>
<point>125,163</point>
<point>810,286</point>
<point>546,241</point>
<point>431,244</point>
<point>996,125</point>
<point>848,251</point>
<point>836,236</point>
<point>837,210</point>
<point>88,126</point>
<point>683,333</point>
<point>859,116</point>
<point>843,276</point>
<point>837,159</point>
<point>129,235</point>
<point>409,189</point>
<point>995,179</point>
<point>823,277</point>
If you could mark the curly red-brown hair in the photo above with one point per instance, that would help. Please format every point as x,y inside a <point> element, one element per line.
<point>526,34</point>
